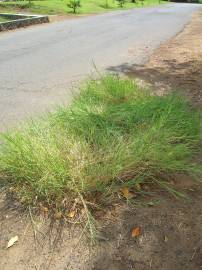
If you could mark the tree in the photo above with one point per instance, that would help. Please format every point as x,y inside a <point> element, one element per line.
<point>106,4</point>
<point>30,3</point>
<point>121,2</point>
<point>74,4</point>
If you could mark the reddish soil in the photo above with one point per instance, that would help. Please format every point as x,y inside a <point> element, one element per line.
<point>171,229</point>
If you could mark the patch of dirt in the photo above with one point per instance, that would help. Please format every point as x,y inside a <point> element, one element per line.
<point>58,18</point>
<point>177,64</point>
<point>171,229</point>
<point>170,239</point>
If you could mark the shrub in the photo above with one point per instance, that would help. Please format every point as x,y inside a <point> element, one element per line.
<point>74,4</point>
<point>25,5</point>
<point>121,3</point>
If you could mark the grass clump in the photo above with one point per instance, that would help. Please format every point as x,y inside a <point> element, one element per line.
<point>114,134</point>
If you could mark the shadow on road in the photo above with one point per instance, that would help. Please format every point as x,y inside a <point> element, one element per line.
<point>186,76</point>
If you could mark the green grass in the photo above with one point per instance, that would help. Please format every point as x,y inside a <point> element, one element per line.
<point>2,19</point>
<point>60,6</point>
<point>114,134</point>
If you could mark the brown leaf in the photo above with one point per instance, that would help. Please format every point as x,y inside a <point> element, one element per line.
<point>12,241</point>
<point>126,193</point>
<point>71,214</point>
<point>136,231</point>
<point>45,209</point>
<point>58,215</point>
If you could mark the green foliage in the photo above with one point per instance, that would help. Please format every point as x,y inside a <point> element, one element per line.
<point>113,133</point>
<point>30,3</point>
<point>121,3</point>
<point>74,5</point>
<point>18,4</point>
<point>3,19</point>
<point>60,6</point>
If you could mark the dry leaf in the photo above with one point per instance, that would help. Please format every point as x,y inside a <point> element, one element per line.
<point>12,241</point>
<point>136,232</point>
<point>45,209</point>
<point>71,214</point>
<point>126,193</point>
<point>58,215</point>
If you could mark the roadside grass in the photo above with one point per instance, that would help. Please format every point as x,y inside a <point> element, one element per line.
<point>114,135</point>
<point>2,19</point>
<point>60,6</point>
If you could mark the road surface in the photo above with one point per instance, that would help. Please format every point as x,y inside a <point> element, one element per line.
<point>39,65</point>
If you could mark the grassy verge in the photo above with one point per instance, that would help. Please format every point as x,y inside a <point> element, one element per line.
<point>60,6</point>
<point>2,19</point>
<point>114,135</point>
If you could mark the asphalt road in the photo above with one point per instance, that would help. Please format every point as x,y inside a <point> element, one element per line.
<point>39,65</point>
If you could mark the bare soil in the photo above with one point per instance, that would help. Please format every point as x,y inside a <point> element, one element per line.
<point>177,64</point>
<point>171,229</point>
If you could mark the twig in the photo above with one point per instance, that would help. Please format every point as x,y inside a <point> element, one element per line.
<point>32,223</point>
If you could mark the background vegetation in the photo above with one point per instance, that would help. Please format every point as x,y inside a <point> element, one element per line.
<point>62,6</point>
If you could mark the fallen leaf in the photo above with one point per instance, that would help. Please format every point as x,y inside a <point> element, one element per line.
<point>136,231</point>
<point>45,209</point>
<point>12,241</point>
<point>71,214</point>
<point>126,193</point>
<point>58,215</point>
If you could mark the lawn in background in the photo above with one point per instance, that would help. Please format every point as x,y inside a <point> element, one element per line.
<point>60,6</point>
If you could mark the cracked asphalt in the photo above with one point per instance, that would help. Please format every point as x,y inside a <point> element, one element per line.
<point>40,65</point>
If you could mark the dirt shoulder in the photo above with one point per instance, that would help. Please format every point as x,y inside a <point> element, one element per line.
<point>171,229</point>
<point>177,64</point>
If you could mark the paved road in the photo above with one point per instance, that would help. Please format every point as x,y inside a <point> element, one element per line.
<point>38,65</point>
